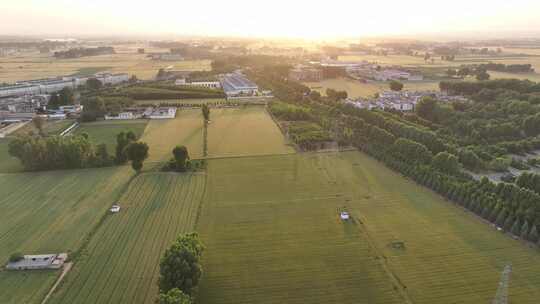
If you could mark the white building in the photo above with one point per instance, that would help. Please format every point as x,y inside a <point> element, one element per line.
<point>71,109</point>
<point>200,84</point>
<point>163,113</point>
<point>167,57</point>
<point>123,116</point>
<point>236,84</point>
<point>112,79</point>
<point>42,261</point>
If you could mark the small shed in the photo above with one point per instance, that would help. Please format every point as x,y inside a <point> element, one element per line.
<point>344,215</point>
<point>41,261</point>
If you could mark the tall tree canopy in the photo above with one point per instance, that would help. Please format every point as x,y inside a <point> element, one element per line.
<point>395,85</point>
<point>174,296</point>
<point>180,266</point>
<point>137,152</point>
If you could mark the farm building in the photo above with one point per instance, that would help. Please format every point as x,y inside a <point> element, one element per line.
<point>163,113</point>
<point>236,84</point>
<point>201,84</point>
<point>42,261</point>
<point>303,73</point>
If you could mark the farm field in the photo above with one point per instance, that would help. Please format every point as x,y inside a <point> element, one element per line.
<point>50,212</point>
<point>271,228</point>
<point>121,263</point>
<point>410,61</point>
<point>34,66</point>
<point>104,132</point>
<point>163,135</point>
<point>244,131</point>
<point>357,89</point>
<point>54,127</point>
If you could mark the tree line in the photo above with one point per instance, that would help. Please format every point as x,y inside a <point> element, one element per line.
<point>39,153</point>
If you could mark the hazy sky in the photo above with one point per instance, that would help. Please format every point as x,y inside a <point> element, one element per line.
<point>273,18</point>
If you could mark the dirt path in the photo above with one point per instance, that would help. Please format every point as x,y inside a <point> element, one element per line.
<point>65,270</point>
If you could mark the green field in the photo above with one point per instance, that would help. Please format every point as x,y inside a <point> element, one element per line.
<point>355,88</point>
<point>104,132</point>
<point>532,57</point>
<point>273,235</point>
<point>121,262</point>
<point>244,131</point>
<point>163,135</point>
<point>54,127</point>
<point>35,66</point>
<point>50,212</point>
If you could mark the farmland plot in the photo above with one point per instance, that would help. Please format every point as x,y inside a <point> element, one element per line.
<point>450,256</point>
<point>244,131</point>
<point>121,263</point>
<point>272,235</point>
<point>163,135</point>
<point>50,212</point>
<point>104,132</point>
<point>355,88</point>
<point>35,66</point>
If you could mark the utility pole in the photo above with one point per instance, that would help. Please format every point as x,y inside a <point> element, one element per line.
<point>501,297</point>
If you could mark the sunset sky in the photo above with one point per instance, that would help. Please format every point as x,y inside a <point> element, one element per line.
<point>276,18</point>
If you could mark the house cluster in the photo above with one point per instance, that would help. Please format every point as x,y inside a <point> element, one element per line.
<point>41,261</point>
<point>237,85</point>
<point>139,113</point>
<point>378,73</point>
<point>53,85</point>
<point>364,70</point>
<point>402,101</point>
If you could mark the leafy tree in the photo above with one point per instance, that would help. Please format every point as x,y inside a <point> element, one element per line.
<point>334,95</point>
<point>516,228</point>
<point>533,235</point>
<point>180,265</point>
<point>38,122</point>
<point>469,159</point>
<point>54,101</point>
<point>446,162</point>
<point>464,72</point>
<point>15,257</point>
<point>531,125</point>
<point>206,112</point>
<point>66,96</point>
<point>508,223</point>
<point>137,152</point>
<point>426,108</point>
<point>483,75</point>
<point>174,296</point>
<point>525,231</point>
<point>181,156</point>
<point>94,84</point>
<point>395,85</point>
<point>122,141</point>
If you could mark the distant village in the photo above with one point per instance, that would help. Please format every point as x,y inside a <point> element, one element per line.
<point>359,70</point>
<point>403,101</point>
